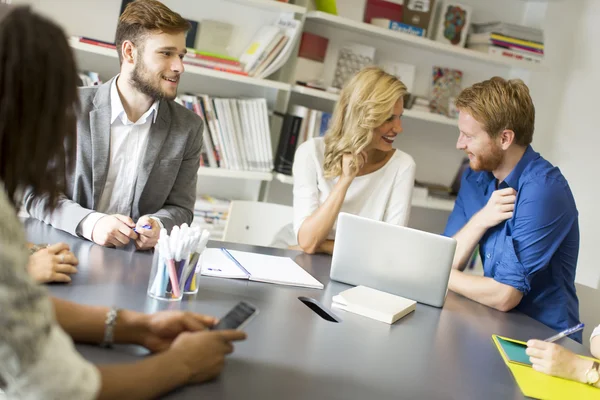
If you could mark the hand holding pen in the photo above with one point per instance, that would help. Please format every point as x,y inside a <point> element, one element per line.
<point>148,231</point>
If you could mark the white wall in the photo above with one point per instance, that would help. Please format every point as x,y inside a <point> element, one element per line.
<point>572,97</point>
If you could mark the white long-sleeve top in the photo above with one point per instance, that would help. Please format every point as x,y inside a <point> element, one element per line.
<point>383,195</point>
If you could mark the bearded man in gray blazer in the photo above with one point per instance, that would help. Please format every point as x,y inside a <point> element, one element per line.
<point>138,151</point>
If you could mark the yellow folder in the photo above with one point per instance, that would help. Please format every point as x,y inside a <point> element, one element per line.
<point>541,386</point>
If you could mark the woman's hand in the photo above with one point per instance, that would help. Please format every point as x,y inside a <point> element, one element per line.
<point>349,168</point>
<point>52,264</point>
<point>553,359</point>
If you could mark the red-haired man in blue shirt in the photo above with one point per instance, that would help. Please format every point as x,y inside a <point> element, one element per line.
<point>517,207</point>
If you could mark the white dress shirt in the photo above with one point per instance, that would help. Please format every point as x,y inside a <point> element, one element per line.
<point>128,141</point>
<point>382,195</point>
<point>596,332</point>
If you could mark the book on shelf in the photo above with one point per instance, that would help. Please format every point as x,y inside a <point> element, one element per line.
<point>96,42</point>
<point>508,53</point>
<point>236,134</point>
<point>310,64</point>
<point>392,10</point>
<point>290,27</point>
<point>299,125</point>
<point>214,36</point>
<point>445,87</point>
<point>211,213</point>
<point>398,26</point>
<point>509,30</point>
<point>506,42</point>
<point>419,13</point>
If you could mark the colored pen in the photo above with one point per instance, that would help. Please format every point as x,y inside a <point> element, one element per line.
<point>143,226</point>
<point>564,333</point>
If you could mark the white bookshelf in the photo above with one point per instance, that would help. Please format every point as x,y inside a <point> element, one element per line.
<point>235,174</point>
<point>414,41</point>
<point>78,46</point>
<point>427,202</point>
<point>272,5</point>
<point>421,115</point>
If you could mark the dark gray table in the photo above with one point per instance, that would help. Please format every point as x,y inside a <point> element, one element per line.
<point>293,353</point>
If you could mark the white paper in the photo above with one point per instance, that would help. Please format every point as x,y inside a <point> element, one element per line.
<point>216,263</point>
<point>273,269</point>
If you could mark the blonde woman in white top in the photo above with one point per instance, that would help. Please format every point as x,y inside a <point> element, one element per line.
<point>354,168</point>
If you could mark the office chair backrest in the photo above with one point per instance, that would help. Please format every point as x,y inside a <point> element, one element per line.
<point>256,223</point>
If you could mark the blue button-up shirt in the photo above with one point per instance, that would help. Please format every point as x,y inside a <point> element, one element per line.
<point>536,250</point>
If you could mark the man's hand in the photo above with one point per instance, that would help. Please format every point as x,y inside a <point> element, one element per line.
<point>162,328</point>
<point>114,231</point>
<point>499,208</point>
<point>203,353</point>
<point>147,238</point>
<point>52,264</point>
<point>553,359</point>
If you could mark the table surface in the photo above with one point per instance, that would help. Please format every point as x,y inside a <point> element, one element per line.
<point>292,353</point>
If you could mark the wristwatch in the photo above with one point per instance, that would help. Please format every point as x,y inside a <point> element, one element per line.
<point>592,376</point>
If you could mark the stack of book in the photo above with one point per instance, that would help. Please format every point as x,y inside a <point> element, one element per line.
<point>214,61</point>
<point>211,213</point>
<point>299,125</point>
<point>508,40</point>
<point>236,134</point>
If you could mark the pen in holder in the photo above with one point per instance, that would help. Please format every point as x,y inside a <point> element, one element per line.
<point>176,264</point>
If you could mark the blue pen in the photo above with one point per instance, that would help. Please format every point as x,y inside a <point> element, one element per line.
<point>143,226</point>
<point>564,333</point>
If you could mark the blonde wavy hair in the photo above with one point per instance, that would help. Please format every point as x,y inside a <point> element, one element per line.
<point>366,102</point>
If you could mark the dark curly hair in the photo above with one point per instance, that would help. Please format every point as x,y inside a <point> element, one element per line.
<point>39,105</point>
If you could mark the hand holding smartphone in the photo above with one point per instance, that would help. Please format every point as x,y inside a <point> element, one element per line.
<point>238,317</point>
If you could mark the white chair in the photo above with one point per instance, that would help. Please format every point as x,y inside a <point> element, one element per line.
<point>255,222</point>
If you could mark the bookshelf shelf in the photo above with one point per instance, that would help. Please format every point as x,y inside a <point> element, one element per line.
<point>284,178</point>
<point>424,116</point>
<point>428,202</point>
<point>236,174</point>
<point>76,45</point>
<point>273,5</point>
<point>415,41</point>
<point>321,94</point>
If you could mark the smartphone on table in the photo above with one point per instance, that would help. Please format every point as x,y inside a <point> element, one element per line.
<point>238,317</point>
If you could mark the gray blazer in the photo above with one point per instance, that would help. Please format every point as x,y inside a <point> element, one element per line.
<point>166,183</point>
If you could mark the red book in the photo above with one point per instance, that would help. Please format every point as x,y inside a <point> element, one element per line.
<point>313,47</point>
<point>97,42</point>
<point>382,9</point>
<point>214,59</point>
<point>232,71</point>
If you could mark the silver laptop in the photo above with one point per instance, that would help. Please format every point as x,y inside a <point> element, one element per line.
<point>398,260</point>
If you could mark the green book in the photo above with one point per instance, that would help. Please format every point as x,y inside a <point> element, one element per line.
<point>214,55</point>
<point>514,351</point>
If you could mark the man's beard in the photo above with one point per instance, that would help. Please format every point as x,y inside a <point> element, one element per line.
<point>140,81</point>
<point>490,161</point>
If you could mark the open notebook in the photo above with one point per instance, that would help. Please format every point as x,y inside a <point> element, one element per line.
<point>223,263</point>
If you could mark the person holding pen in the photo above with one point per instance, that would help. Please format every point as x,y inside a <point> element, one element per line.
<point>517,207</point>
<point>39,361</point>
<point>138,151</point>
<point>355,167</point>
<point>553,359</point>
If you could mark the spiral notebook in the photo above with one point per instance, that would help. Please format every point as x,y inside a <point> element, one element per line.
<point>233,264</point>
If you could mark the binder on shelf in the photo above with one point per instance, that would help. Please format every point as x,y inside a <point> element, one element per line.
<point>288,139</point>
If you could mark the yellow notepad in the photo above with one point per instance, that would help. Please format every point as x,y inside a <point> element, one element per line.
<point>541,386</point>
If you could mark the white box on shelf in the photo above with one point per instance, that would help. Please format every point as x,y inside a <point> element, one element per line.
<point>404,72</point>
